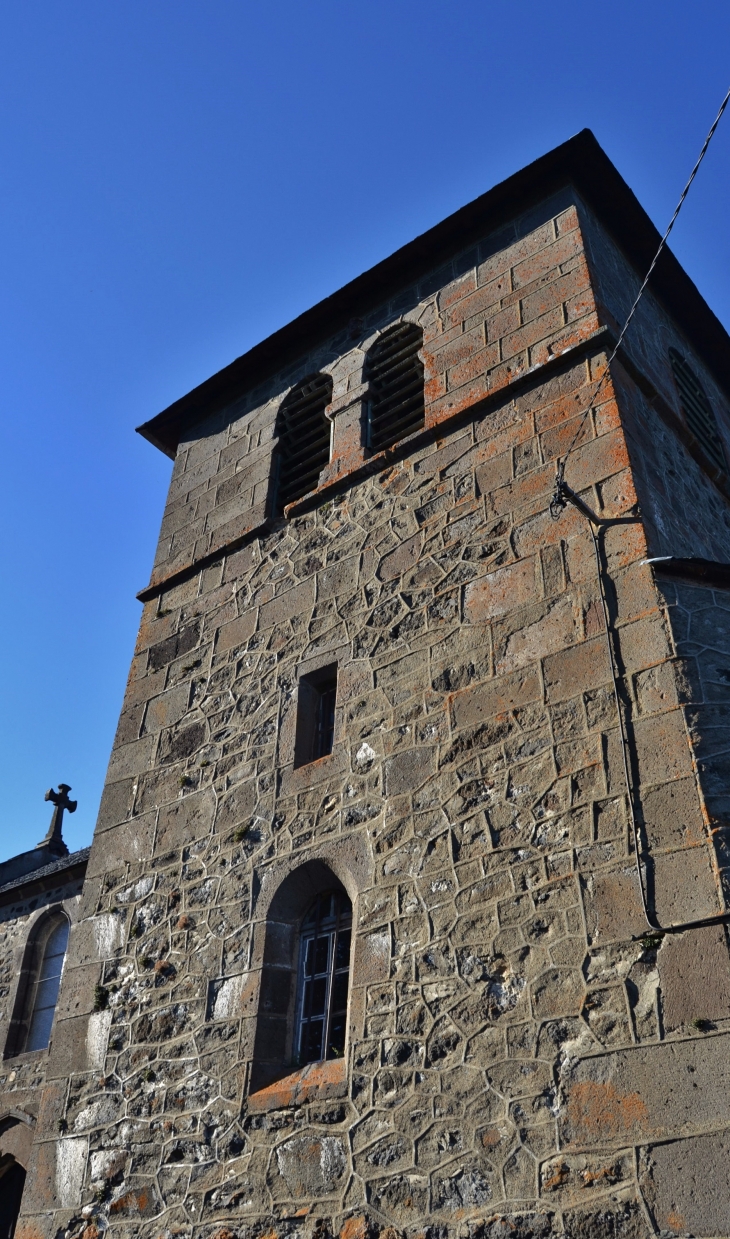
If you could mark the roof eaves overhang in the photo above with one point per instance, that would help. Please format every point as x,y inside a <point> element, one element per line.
<point>579,162</point>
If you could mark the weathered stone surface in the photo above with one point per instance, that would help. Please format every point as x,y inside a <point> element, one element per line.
<point>695,977</point>
<point>613,1221</point>
<point>673,815</point>
<point>613,905</point>
<point>512,1020</point>
<point>677,1088</point>
<point>184,820</point>
<point>311,1167</point>
<point>684,886</point>
<point>687,1185</point>
<point>128,842</point>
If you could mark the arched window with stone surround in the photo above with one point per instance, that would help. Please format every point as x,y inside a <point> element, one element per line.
<point>302,1016</point>
<point>303,439</point>
<point>40,981</point>
<point>394,373</point>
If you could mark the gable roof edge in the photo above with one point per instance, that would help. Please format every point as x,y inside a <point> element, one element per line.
<point>580,162</point>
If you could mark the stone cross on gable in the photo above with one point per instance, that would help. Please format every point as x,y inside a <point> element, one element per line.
<point>54,839</point>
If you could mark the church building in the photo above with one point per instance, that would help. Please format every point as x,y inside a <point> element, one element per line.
<point>405,913</point>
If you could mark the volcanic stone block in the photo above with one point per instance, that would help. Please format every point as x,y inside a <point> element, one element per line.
<point>408,770</point>
<point>124,844</point>
<point>613,906</point>
<point>646,1093</point>
<point>684,887</point>
<point>695,977</point>
<point>672,815</point>
<point>687,1185</point>
<point>184,820</point>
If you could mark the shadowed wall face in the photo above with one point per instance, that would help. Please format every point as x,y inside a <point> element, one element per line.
<point>12,1182</point>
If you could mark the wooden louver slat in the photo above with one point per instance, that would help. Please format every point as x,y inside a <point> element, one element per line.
<point>304,439</point>
<point>395,374</point>
<point>697,409</point>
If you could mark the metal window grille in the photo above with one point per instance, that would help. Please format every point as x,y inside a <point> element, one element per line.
<point>325,718</point>
<point>697,409</point>
<point>304,439</point>
<point>324,973</point>
<point>44,997</point>
<point>395,374</point>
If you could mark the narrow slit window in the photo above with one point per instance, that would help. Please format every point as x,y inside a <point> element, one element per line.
<point>303,432</point>
<point>697,409</point>
<point>44,992</point>
<point>394,372</point>
<point>317,700</point>
<point>326,718</point>
<point>324,972</point>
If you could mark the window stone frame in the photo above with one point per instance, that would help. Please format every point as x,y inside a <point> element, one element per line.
<point>283,895</point>
<point>31,960</point>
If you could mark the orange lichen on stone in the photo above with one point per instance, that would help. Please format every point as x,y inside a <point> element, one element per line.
<point>314,1080</point>
<point>675,1220</point>
<point>608,1174</point>
<point>558,1178</point>
<point>597,1111</point>
<point>355,1228</point>
<point>138,1201</point>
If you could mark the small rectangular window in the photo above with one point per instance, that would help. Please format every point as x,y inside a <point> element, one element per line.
<point>316,715</point>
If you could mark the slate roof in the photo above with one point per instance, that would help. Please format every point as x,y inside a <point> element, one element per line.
<point>72,861</point>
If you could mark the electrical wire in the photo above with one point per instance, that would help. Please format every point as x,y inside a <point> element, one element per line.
<point>556,506</point>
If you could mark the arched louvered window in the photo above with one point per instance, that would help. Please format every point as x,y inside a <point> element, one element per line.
<point>303,432</point>
<point>395,374</point>
<point>697,409</point>
<point>43,980</point>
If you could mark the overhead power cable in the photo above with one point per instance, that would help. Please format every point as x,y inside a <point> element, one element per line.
<point>557,502</point>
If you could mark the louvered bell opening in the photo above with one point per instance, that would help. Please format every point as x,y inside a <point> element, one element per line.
<point>304,439</point>
<point>697,409</point>
<point>395,374</point>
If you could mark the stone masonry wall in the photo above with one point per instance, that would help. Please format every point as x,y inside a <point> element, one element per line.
<point>503,307</point>
<point>23,1076</point>
<point>700,623</point>
<point>615,285</point>
<point>523,1056</point>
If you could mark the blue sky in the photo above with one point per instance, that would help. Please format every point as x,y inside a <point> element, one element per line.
<point>179,180</point>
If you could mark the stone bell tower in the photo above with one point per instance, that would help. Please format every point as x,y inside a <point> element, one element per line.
<point>404,911</point>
